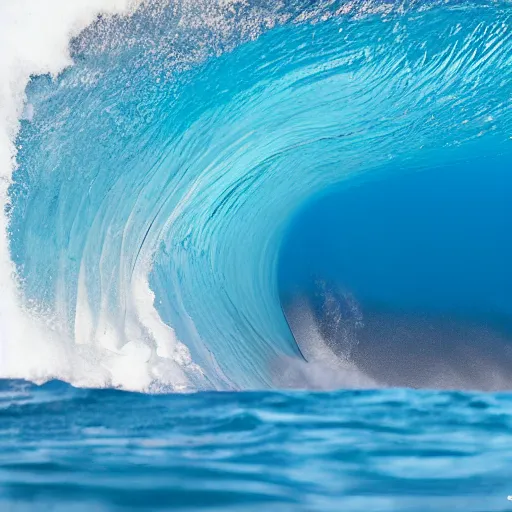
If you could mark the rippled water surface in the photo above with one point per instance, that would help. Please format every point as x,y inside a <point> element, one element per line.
<point>63,448</point>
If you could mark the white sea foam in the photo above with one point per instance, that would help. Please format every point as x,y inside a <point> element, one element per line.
<point>34,39</point>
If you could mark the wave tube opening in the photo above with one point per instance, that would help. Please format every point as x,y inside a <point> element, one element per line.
<point>158,176</point>
<point>406,278</point>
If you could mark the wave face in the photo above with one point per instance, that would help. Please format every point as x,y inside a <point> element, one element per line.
<point>158,175</point>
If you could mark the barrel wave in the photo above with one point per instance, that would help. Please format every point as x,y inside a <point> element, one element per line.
<point>159,176</point>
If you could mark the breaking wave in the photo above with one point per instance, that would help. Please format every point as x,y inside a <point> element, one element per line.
<point>159,180</point>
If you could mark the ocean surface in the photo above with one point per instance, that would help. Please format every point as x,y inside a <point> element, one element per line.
<point>68,449</point>
<point>256,253</point>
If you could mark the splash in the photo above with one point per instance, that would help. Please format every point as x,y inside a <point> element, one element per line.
<point>34,40</point>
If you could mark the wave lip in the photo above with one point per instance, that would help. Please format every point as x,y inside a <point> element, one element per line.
<point>150,202</point>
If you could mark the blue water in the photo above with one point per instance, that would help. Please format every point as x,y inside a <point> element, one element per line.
<point>242,199</point>
<point>73,449</point>
<point>416,290</point>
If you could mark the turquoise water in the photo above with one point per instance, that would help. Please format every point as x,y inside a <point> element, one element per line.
<point>74,449</point>
<point>241,199</point>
